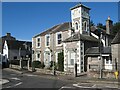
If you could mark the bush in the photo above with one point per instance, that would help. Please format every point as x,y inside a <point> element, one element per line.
<point>36,64</point>
<point>61,61</point>
<point>51,65</point>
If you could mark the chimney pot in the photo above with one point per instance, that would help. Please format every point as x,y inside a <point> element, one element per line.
<point>108,17</point>
<point>8,34</point>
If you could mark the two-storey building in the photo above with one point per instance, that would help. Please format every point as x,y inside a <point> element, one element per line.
<point>74,39</point>
<point>48,44</point>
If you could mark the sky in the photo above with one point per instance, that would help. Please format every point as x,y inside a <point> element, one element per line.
<point>27,19</point>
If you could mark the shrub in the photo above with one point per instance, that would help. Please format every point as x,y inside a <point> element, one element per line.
<point>61,61</point>
<point>51,65</point>
<point>36,64</point>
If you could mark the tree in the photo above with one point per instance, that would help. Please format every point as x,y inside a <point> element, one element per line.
<point>92,23</point>
<point>116,28</point>
<point>100,25</point>
<point>61,61</point>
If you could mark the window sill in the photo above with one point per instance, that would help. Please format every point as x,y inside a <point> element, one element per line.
<point>59,45</point>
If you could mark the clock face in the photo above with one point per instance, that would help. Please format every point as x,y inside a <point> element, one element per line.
<point>76,12</point>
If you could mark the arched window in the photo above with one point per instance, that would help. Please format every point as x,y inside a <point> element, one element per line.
<point>76,26</point>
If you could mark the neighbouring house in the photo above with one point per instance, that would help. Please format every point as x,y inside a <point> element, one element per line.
<point>13,49</point>
<point>3,38</point>
<point>48,44</point>
<point>95,59</point>
<point>115,47</point>
<point>106,34</point>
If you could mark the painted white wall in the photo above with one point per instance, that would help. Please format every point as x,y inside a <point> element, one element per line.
<point>108,64</point>
<point>94,35</point>
<point>5,49</point>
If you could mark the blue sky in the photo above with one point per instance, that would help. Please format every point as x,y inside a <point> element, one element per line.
<point>26,19</point>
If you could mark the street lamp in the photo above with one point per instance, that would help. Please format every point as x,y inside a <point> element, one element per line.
<point>100,58</point>
<point>54,72</point>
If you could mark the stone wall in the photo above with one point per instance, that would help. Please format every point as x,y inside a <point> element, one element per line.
<point>115,54</point>
<point>96,74</point>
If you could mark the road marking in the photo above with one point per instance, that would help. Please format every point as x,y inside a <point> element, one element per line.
<point>76,85</point>
<point>65,87</point>
<point>110,87</point>
<point>17,84</point>
<point>15,78</point>
<point>14,85</point>
<point>94,85</point>
<point>30,75</point>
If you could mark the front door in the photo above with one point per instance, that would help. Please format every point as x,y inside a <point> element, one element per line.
<point>47,59</point>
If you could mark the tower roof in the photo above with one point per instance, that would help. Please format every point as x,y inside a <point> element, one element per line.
<point>79,5</point>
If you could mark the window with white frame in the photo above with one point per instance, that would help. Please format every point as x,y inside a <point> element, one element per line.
<point>38,56</point>
<point>38,41</point>
<point>59,38</point>
<point>71,58</point>
<point>47,39</point>
<point>57,57</point>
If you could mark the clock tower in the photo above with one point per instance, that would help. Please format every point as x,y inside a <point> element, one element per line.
<point>80,19</point>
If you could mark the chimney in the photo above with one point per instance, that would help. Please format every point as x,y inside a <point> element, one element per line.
<point>109,25</point>
<point>8,34</point>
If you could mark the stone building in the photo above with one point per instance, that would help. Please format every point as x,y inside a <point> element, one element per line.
<point>48,44</point>
<point>116,52</point>
<point>3,38</point>
<point>12,48</point>
<point>79,41</point>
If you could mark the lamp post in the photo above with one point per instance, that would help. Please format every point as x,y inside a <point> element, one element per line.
<point>54,72</point>
<point>101,61</point>
<point>32,65</point>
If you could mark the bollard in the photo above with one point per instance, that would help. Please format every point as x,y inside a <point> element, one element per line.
<point>116,74</point>
<point>75,69</point>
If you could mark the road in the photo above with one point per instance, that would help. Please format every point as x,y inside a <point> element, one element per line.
<point>29,80</point>
<point>17,80</point>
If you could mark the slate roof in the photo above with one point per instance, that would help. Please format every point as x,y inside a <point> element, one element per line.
<point>79,5</point>
<point>116,40</point>
<point>78,36</point>
<point>15,45</point>
<point>97,31</point>
<point>95,51</point>
<point>56,28</point>
<point>3,38</point>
